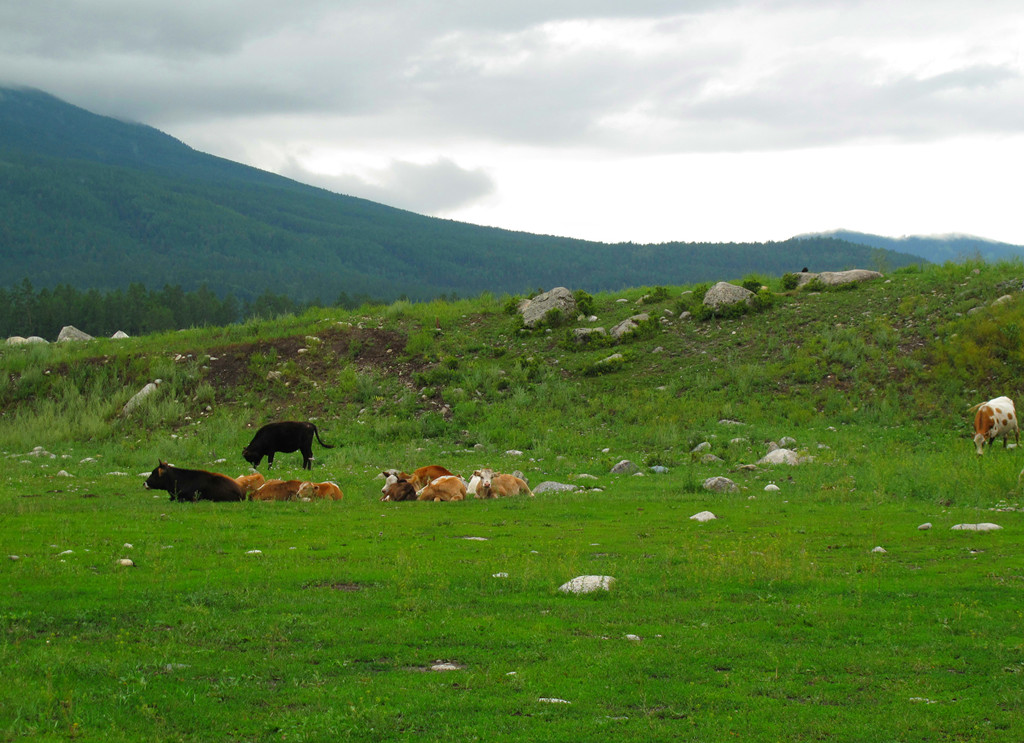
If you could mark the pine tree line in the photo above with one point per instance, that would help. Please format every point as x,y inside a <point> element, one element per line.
<point>136,310</point>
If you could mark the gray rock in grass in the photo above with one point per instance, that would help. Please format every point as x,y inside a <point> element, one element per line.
<point>781,456</point>
<point>723,294</point>
<point>720,485</point>
<point>534,310</point>
<point>625,467</point>
<point>588,584</point>
<point>549,486</point>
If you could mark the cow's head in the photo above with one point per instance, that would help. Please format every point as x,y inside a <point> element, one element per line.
<point>157,479</point>
<point>390,478</point>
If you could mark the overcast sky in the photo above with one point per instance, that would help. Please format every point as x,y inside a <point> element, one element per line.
<point>646,120</point>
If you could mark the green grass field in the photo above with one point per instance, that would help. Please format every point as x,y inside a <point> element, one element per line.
<point>326,620</point>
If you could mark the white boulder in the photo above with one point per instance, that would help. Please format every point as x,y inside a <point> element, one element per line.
<point>724,294</point>
<point>588,584</point>
<point>71,333</point>
<point>139,396</point>
<point>780,456</point>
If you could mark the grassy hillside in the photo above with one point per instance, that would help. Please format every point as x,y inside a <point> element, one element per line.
<point>301,621</point>
<point>97,203</point>
<point>911,348</point>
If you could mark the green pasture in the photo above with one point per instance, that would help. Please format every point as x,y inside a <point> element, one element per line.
<point>774,621</point>
<point>362,620</point>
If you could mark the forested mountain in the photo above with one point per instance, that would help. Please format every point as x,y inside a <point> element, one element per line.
<point>95,203</point>
<point>933,248</point>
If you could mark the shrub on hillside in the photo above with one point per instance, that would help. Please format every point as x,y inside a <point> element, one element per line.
<point>752,284</point>
<point>584,302</point>
<point>693,300</point>
<point>572,342</point>
<point>614,363</point>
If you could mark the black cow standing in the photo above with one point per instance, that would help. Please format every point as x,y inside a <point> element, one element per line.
<point>285,436</point>
<point>193,485</point>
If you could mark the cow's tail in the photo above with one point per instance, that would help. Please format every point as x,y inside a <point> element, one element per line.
<point>970,409</point>
<point>317,434</point>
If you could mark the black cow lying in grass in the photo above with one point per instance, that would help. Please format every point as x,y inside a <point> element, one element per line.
<point>285,436</point>
<point>193,485</point>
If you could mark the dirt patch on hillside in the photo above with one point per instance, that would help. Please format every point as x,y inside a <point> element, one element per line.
<point>231,366</point>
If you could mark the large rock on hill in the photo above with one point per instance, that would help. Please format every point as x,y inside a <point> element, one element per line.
<point>629,325</point>
<point>534,310</point>
<point>71,333</point>
<point>836,278</point>
<point>723,294</point>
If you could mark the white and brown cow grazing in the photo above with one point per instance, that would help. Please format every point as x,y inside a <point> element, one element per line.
<point>495,485</point>
<point>397,488</point>
<point>320,490</point>
<point>278,490</point>
<point>445,488</point>
<point>250,483</point>
<point>994,418</point>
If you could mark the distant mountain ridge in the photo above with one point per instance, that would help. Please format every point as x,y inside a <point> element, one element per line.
<point>933,248</point>
<point>95,202</point>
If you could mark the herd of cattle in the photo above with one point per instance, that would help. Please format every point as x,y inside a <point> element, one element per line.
<point>432,483</point>
<point>993,419</point>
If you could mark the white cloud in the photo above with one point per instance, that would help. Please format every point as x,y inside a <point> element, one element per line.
<point>472,110</point>
<point>435,188</point>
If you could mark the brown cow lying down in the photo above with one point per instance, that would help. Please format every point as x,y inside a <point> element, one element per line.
<point>493,485</point>
<point>278,490</point>
<point>249,483</point>
<point>323,490</point>
<point>446,488</point>
<point>193,485</point>
<point>422,477</point>
<point>397,488</point>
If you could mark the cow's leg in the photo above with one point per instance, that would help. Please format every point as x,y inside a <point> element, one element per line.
<point>307,458</point>
<point>270,460</point>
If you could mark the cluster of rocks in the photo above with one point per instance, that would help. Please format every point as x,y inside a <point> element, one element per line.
<point>67,333</point>
<point>777,453</point>
<point>723,294</point>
